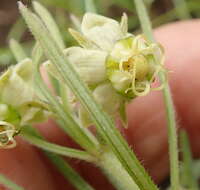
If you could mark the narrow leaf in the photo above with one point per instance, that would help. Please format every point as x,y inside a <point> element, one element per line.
<point>90,6</point>
<point>54,148</point>
<point>76,22</point>
<point>49,22</point>
<point>9,184</point>
<point>17,50</point>
<point>82,136</point>
<point>63,167</point>
<point>170,109</point>
<point>188,179</point>
<point>105,126</point>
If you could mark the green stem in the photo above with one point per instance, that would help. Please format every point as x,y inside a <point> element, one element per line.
<point>7,183</point>
<point>187,178</point>
<point>61,150</point>
<point>115,172</point>
<point>171,118</point>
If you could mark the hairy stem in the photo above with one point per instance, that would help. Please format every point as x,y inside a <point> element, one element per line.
<point>115,172</point>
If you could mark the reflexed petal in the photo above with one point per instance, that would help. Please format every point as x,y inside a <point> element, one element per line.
<point>90,64</point>
<point>101,30</point>
<point>107,97</point>
<point>7,132</point>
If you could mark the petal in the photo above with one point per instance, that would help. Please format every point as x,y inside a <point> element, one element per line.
<point>9,114</point>
<point>101,30</point>
<point>84,117</point>
<point>122,49</point>
<point>124,24</point>
<point>33,112</point>
<point>25,70</point>
<point>16,91</point>
<point>82,40</point>
<point>107,97</point>
<point>15,88</point>
<point>90,64</point>
<point>121,81</point>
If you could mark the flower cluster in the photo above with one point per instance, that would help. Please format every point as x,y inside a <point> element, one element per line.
<point>117,66</point>
<point>19,106</point>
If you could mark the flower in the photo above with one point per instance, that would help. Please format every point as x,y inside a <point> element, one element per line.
<point>117,66</point>
<point>19,105</point>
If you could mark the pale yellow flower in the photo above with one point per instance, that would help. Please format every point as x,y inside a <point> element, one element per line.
<point>19,105</point>
<point>116,65</point>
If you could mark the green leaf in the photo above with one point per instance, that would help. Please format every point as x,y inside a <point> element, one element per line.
<point>63,167</point>
<point>17,30</point>
<point>90,6</point>
<point>105,126</point>
<point>123,114</point>
<point>81,135</point>
<point>17,50</point>
<point>54,30</point>
<point>49,22</point>
<point>54,148</point>
<point>196,169</point>
<point>69,173</point>
<point>9,184</point>
<point>6,57</point>
<point>188,179</point>
<point>76,22</point>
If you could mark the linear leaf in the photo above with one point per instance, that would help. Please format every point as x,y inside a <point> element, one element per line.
<point>105,126</point>
<point>8,183</point>
<point>54,148</point>
<point>63,167</point>
<point>49,22</point>
<point>17,50</point>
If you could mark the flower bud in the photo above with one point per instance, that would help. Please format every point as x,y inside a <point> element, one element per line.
<point>131,66</point>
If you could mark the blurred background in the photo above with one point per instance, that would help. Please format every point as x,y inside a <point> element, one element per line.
<point>12,25</point>
<point>160,11</point>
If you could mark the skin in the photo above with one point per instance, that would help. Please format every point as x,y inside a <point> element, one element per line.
<point>146,134</point>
